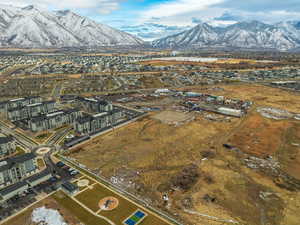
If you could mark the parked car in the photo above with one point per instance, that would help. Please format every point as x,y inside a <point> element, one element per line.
<point>60,164</point>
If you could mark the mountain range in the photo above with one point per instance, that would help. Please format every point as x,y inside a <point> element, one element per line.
<point>34,27</point>
<point>247,35</point>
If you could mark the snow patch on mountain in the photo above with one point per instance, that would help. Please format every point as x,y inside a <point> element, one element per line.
<point>34,27</point>
<point>254,34</point>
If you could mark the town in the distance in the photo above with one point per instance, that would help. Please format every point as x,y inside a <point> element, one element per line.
<point>98,127</point>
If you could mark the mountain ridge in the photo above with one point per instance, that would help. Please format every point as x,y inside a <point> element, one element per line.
<point>33,27</point>
<point>252,34</point>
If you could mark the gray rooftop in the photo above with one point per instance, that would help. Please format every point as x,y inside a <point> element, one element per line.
<point>13,187</point>
<point>38,176</point>
<point>10,162</point>
<point>4,140</point>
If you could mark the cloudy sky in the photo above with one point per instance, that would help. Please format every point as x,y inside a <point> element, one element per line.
<point>172,14</point>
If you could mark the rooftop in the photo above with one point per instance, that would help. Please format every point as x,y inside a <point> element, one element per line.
<point>38,176</point>
<point>4,140</point>
<point>10,162</point>
<point>13,187</point>
<point>70,186</point>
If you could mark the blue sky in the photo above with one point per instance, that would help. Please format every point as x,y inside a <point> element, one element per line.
<point>173,13</point>
<point>184,12</point>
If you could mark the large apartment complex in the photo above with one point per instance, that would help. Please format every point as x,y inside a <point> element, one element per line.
<point>94,105</point>
<point>18,173</point>
<point>89,115</point>
<point>92,123</point>
<point>19,102</point>
<point>53,120</point>
<point>31,110</point>
<point>100,114</point>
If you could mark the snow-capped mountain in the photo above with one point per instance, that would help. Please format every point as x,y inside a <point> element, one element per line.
<point>34,27</point>
<point>255,35</point>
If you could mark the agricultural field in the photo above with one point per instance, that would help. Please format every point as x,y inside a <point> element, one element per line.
<point>182,155</point>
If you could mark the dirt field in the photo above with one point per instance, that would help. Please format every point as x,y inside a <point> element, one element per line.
<point>148,152</point>
<point>151,157</point>
<point>260,136</point>
<point>261,95</point>
<point>173,117</point>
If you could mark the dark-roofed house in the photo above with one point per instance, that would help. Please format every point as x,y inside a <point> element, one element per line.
<point>18,168</point>
<point>7,146</point>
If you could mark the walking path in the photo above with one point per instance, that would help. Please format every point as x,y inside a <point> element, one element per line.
<point>92,212</point>
<point>122,193</point>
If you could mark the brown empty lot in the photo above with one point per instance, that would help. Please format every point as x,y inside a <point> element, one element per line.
<point>152,154</point>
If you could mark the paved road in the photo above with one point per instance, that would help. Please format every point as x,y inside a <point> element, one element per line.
<point>21,139</point>
<point>28,143</point>
<point>64,175</point>
<point>54,140</point>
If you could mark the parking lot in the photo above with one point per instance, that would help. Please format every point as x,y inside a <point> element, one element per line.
<point>61,172</point>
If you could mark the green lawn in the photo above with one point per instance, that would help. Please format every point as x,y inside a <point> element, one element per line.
<point>91,198</point>
<point>73,207</point>
<point>20,150</point>
<point>119,214</point>
<point>41,163</point>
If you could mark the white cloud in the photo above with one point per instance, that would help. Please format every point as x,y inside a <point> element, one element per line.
<point>184,12</point>
<point>176,7</point>
<point>180,12</point>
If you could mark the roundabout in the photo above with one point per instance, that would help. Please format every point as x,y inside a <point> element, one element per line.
<point>43,150</point>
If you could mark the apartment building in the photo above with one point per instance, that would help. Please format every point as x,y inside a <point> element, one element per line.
<point>7,146</point>
<point>19,102</point>
<point>53,120</point>
<point>94,105</point>
<point>92,123</point>
<point>31,110</point>
<point>16,169</point>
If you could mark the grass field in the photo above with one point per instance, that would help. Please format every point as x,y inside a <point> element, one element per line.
<point>20,150</point>
<point>42,136</point>
<point>91,198</point>
<point>40,163</point>
<point>77,210</point>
